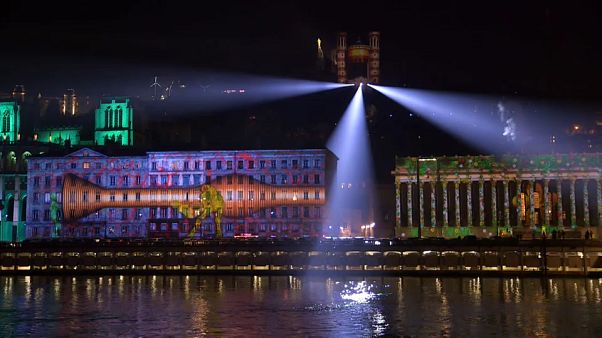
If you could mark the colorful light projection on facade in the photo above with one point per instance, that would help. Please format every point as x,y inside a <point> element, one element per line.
<point>114,122</point>
<point>358,62</point>
<point>10,119</point>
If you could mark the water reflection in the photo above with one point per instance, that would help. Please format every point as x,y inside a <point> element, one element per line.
<point>298,306</point>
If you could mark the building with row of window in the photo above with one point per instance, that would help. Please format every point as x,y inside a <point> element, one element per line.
<point>268,193</point>
<point>488,195</point>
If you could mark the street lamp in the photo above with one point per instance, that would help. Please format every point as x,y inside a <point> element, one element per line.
<point>418,160</point>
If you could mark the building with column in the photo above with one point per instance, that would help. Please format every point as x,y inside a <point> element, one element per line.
<point>265,193</point>
<point>506,195</point>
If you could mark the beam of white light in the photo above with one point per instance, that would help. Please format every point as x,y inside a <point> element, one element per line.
<point>473,118</point>
<point>352,187</point>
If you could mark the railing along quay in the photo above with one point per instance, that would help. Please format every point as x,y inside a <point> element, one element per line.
<point>374,257</point>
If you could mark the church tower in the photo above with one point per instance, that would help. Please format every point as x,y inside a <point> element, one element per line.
<point>10,120</point>
<point>114,122</point>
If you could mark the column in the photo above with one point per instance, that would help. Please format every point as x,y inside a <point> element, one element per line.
<point>433,203</point>
<point>17,199</point>
<point>598,196</point>
<point>585,203</point>
<point>457,200</point>
<point>469,201</point>
<point>494,202</point>
<point>397,206</point>
<point>573,216</point>
<point>560,216</point>
<point>445,203</point>
<point>421,198</point>
<point>546,203</point>
<point>481,204</point>
<point>506,196</point>
<point>410,220</point>
<point>532,202</point>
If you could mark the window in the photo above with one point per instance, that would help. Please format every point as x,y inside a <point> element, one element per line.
<point>47,215</point>
<point>251,179</point>
<point>317,179</point>
<point>262,196</point>
<point>250,212</point>
<point>163,179</point>
<point>283,179</point>
<point>229,195</point>
<point>305,179</point>
<point>295,212</point>
<point>284,212</point>
<point>73,166</point>
<point>125,197</point>
<point>316,163</point>
<point>262,164</point>
<point>240,195</point>
<point>47,181</point>
<point>99,180</point>
<point>305,195</point>
<point>240,179</point>
<point>229,165</point>
<point>124,214</point>
<point>208,179</point>
<point>305,164</point>
<point>138,214</point>
<point>36,215</point>
<point>124,229</point>
<point>138,196</point>
<point>97,196</point>
<point>229,179</point>
<point>46,197</point>
<point>283,164</point>
<point>218,165</point>
<point>86,165</point>
<point>305,211</point>
<point>273,213</point>
<point>295,164</point>
<point>59,197</point>
<point>59,181</point>
<point>273,179</point>
<point>263,227</point>
<point>138,180</point>
<point>218,180</point>
<point>229,227</point>
<point>273,195</point>
<point>240,164</point>
<point>36,197</point>
<point>126,181</point>
<point>185,165</point>
<point>295,179</point>
<point>163,211</point>
<point>85,196</point>
<point>197,165</point>
<point>112,197</point>
<point>317,212</point>
<point>317,195</point>
<point>98,165</point>
<point>251,195</point>
<point>262,212</point>
<point>112,181</point>
<point>251,164</point>
<point>262,178</point>
<point>197,179</point>
<point>241,212</point>
<point>284,227</point>
<point>273,164</point>
<point>36,181</point>
<point>273,227</point>
<point>208,165</point>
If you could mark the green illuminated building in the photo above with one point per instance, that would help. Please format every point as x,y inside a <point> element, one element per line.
<point>10,118</point>
<point>69,135</point>
<point>114,122</point>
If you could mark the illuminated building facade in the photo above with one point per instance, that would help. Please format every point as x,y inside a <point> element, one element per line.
<point>69,136</point>
<point>10,119</point>
<point>114,122</point>
<point>485,195</point>
<point>266,193</point>
<point>358,62</point>
<point>69,104</point>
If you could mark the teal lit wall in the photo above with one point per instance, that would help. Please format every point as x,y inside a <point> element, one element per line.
<point>59,136</point>
<point>10,119</point>
<point>114,122</point>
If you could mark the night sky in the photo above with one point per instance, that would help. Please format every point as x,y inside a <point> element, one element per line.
<point>537,48</point>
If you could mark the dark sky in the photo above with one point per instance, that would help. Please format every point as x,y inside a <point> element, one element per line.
<point>536,48</point>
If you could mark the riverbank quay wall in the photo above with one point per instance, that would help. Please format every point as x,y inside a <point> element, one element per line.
<point>428,258</point>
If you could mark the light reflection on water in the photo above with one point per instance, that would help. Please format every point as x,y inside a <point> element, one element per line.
<point>298,306</point>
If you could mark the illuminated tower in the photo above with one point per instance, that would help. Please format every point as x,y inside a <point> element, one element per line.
<point>10,119</point>
<point>320,61</point>
<point>114,122</point>
<point>374,60</point>
<point>69,105</point>
<point>19,93</point>
<point>341,50</point>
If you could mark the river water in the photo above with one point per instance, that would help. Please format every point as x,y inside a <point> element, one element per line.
<point>278,306</point>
